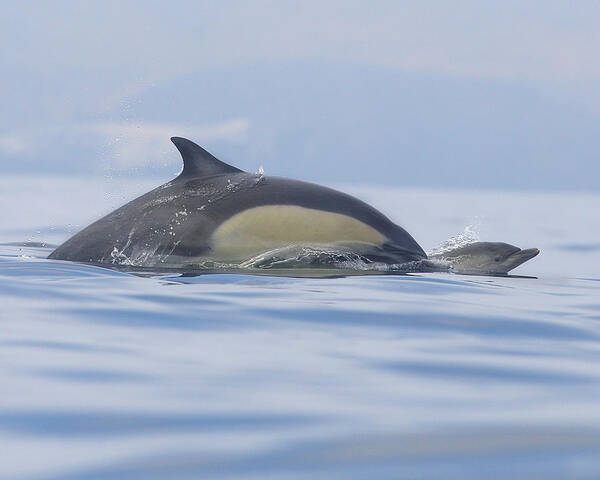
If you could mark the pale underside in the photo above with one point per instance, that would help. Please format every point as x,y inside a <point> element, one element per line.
<point>262,229</point>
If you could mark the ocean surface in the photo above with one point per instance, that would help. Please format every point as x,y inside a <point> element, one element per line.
<point>111,375</point>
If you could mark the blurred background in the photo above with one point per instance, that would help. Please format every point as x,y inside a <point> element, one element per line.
<point>459,120</point>
<point>496,94</point>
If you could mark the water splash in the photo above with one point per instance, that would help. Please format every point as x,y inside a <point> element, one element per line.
<point>469,235</point>
<point>297,257</point>
<point>312,256</point>
<point>119,258</point>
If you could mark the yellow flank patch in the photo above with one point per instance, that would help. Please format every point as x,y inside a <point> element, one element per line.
<point>261,229</point>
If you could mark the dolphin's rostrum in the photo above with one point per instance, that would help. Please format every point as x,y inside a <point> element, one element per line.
<point>214,212</point>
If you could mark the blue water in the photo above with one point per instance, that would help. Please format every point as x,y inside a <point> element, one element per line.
<point>111,375</point>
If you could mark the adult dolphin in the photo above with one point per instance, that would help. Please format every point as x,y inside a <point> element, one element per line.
<point>214,212</point>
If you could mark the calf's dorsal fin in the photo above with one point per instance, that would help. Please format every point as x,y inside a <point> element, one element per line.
<point>197,162</point>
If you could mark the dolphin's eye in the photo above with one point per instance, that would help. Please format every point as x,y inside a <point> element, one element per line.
<point>497,259</point>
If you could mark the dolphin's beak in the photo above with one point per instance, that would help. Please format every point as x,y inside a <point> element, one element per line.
<point>520,257</point>
<point>530,252</point>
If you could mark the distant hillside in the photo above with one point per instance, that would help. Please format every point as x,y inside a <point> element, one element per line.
<point>354,124</point>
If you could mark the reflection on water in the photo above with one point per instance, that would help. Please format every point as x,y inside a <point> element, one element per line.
<point>110,375</point>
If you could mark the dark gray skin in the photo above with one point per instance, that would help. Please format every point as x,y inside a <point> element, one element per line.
<point>210,192</point>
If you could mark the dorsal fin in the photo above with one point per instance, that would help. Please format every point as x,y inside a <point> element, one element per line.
<point>197,162</point>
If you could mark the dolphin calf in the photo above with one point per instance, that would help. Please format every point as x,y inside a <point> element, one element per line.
<point>490,258</point>
<point>216,214</point>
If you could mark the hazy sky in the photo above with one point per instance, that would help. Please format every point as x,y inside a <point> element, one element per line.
<point>395,92</point>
